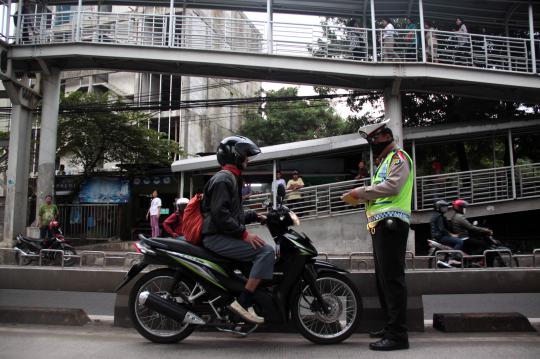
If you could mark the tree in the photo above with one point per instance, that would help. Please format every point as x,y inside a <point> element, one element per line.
<point>282,122</point>
<point>91,137</point>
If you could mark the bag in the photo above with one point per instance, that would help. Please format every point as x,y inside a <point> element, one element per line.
<point>192,220</point>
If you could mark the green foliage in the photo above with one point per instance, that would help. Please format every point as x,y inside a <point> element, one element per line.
<point>94,137</point>
<point>282,122</point>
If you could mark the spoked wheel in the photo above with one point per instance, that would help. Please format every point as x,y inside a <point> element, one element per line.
<point>68,261</point>
<point>339,323</point>
<point>150,324</point>
<point>22,261</point>
<point>504,260</point>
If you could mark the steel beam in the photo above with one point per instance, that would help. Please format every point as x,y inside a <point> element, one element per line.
<point>531,37</point>
<point>270,26</point>
<point>373,33</point>
<point>302,70</point>
<point>422,29</point>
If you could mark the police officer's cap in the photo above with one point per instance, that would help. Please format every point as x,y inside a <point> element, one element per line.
<point>370,131</point>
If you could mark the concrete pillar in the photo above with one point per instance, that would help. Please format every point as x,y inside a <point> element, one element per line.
<point>17,173</point>
<point>48,135</point>
<point>392,111</point>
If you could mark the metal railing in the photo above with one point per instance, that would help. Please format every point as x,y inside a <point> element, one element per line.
<point>90,221</point>
<point>489,185</point>
<point>314,201</point>
<point>480,186</point>
<point>476,187</point>
<point>243,35</point>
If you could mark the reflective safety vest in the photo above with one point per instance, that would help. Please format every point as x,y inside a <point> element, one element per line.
<point>398,206</point>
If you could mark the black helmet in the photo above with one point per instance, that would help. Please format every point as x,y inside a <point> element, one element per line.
<point>234,150</point>
<point>441,206</point>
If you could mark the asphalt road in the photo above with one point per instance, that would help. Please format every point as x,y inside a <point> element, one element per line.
<point>103,303</point>
<point>103,342</point>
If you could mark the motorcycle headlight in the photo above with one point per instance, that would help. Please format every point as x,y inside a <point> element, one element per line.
<point>295,219</point>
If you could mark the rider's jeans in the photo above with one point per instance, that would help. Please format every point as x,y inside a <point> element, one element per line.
<point>454,242</point>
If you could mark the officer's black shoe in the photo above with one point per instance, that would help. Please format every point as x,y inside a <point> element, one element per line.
<point>377,333</point>
<point>389,344</point>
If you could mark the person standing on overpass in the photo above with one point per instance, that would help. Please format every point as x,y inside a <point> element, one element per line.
<point>388,211</point>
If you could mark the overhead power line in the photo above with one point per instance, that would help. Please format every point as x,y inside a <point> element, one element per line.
<point>177,104</point>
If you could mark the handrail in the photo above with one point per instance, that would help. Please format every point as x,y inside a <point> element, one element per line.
<point>490,52</point>
<point>477,186</point>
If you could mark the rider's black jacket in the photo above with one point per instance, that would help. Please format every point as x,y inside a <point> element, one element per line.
<point>439,226</point>
<point>222,206</point>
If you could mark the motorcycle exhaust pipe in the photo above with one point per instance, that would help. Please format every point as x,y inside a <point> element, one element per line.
<point>169,309</point>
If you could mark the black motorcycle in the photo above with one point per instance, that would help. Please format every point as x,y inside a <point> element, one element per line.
<point>166,305</point>
<point>497,255</point>
<point>29,250</point>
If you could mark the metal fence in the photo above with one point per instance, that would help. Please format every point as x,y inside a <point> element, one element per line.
<point>243,35</point>
<point>91,221</point>
<point>314,201</point>
<point>476,187</point>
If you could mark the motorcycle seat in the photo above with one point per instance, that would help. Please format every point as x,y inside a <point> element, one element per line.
<point>184,247</point>
<point>36,240</point>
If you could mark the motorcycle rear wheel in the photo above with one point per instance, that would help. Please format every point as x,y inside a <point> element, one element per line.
<point>341,294</point>
<point>150,324</point>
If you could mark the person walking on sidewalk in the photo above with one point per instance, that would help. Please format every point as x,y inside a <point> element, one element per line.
<point>388,211</point>
<point>154,212</point>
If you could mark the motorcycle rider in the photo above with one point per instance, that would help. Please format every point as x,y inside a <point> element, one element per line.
<point>463,228</point>
<point>440,230</point>
<point>224,231</point>
<point>173,223</point>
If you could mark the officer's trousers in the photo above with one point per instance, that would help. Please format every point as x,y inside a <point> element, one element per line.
<point>389,246</point>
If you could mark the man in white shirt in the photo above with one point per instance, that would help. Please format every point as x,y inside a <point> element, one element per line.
<point>388,41</point>
<point>279,181</point>
<point>154,212</point>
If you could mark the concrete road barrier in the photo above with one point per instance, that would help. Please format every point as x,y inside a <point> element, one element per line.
<point>419,282</point>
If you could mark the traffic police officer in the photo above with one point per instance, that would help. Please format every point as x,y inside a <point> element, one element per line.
<point>388,210</point>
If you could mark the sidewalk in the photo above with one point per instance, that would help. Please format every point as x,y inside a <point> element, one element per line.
<point>100,340</point>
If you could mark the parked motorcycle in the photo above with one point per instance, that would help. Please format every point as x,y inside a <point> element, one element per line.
<point>28,250</point>
<point>166,305</point>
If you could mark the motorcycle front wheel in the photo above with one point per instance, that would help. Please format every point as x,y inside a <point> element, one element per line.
<point>25,261</point>
<point>328,328</point>
<point>150,324</point>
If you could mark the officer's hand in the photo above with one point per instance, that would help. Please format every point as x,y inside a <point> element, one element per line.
<point>254,240</point>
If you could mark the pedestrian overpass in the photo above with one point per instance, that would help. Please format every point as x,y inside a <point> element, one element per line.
<point>332,55</point>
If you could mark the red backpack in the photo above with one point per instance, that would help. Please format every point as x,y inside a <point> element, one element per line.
<point>192,220</point>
